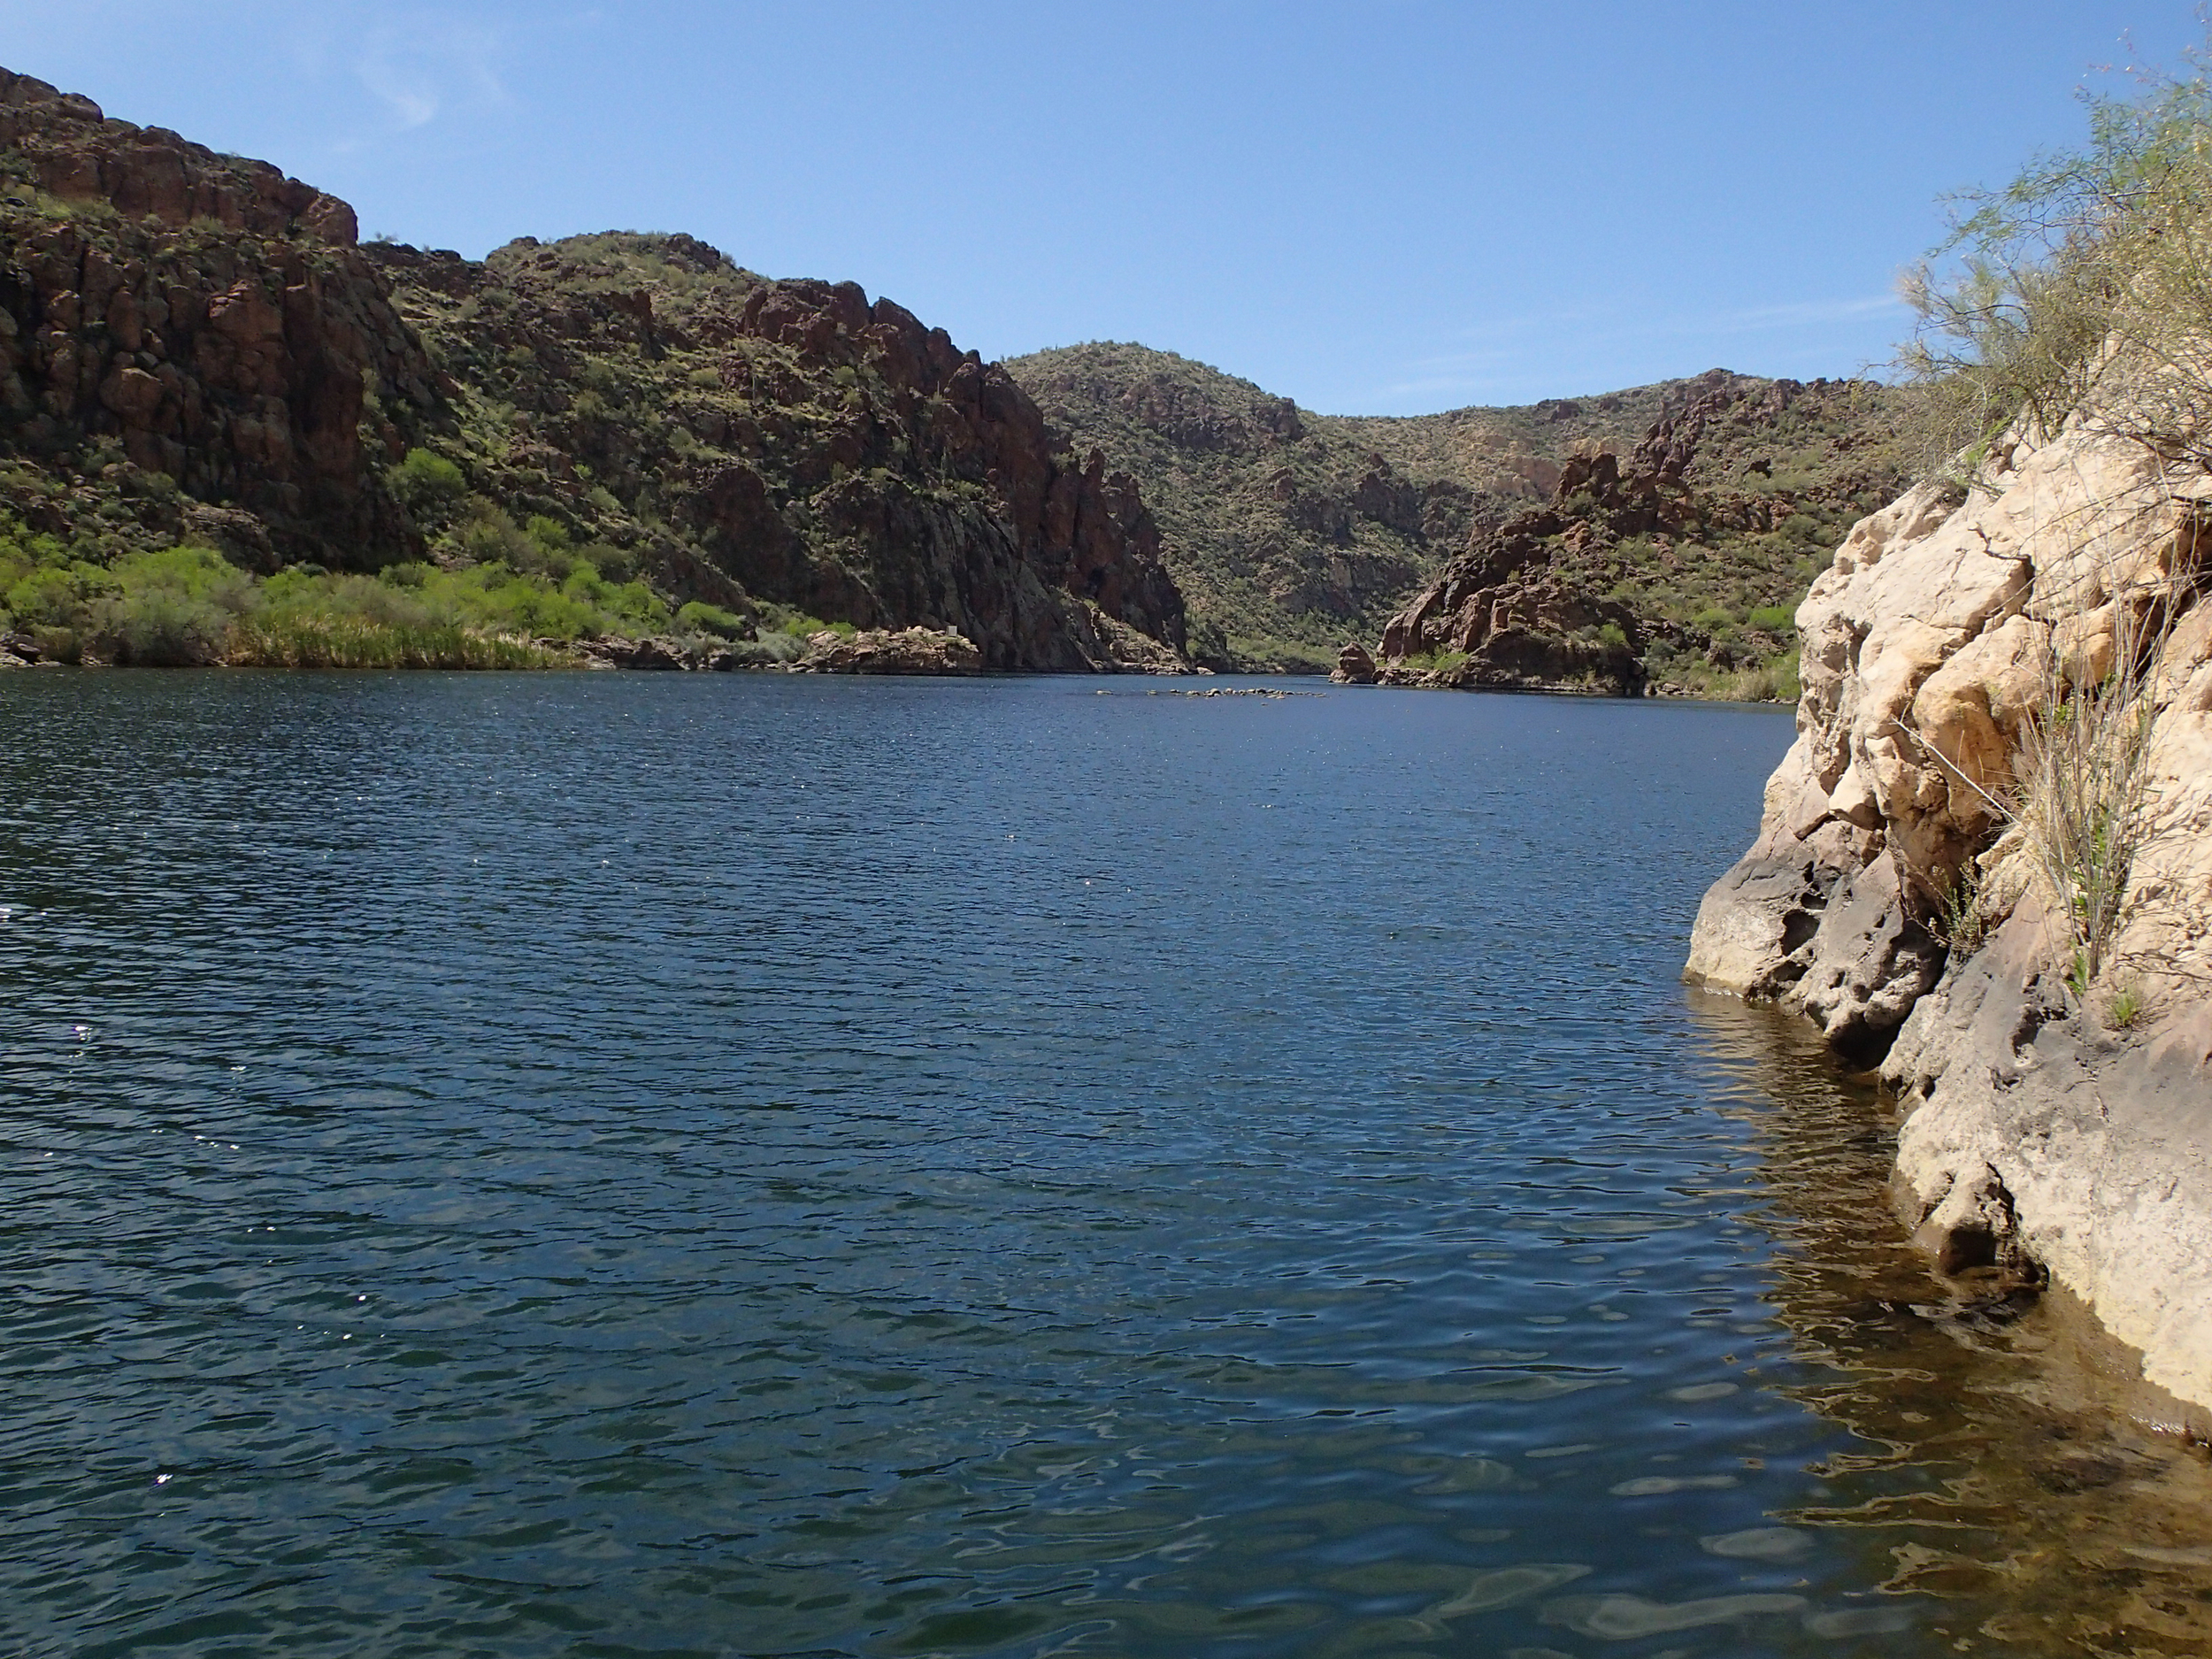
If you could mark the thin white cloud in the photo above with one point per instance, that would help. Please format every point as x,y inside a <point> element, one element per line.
<point>1501,356</point>
<point>420,67</point>
<point>1802,314</point>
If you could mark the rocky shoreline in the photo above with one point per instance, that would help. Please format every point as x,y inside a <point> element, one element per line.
<point>913,650</point>
<point>2055,1121</point>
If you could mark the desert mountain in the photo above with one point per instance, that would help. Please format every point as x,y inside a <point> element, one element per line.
<point>193,348</point>
<point>1291,533</point>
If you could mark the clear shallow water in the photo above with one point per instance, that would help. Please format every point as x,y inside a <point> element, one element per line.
<point>633,1164</point>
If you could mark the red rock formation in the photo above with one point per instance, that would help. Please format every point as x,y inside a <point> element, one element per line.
<point>197,346</point>
<point>850,463</point>
<point>1529,603</point>
<point>209,316</point>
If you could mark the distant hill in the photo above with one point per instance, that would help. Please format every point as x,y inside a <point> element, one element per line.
<point>1291,534</point>
<point>1674,566</point>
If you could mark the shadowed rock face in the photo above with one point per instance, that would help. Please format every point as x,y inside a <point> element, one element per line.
<point>795,441</point>
<point>196,345</point>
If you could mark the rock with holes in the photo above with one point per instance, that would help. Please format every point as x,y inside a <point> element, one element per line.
<point>1866,964</point>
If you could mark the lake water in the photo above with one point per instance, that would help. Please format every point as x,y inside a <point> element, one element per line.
<point>626,1164</point>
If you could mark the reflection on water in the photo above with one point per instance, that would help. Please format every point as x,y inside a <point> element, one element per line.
<point>684,1165</point>
<point>1992,1469</point>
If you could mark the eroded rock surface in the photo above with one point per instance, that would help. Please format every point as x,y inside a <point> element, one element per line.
<point>2049,1122</point>
<point>1565,595</point>
<point>212,321</point>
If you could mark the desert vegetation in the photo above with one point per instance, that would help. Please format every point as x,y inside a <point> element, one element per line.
<point>1291,531</point>
<point>521,607</point>
<point>2079,298</point>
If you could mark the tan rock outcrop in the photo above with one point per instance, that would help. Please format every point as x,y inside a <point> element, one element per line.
<point>2051,1126</point>
<point>887,651</point>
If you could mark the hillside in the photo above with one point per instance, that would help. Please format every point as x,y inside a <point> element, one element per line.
<point>615,433</point>
<point>1291,532</point>
<point>1676,568</point>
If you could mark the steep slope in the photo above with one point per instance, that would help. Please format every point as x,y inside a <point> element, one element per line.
<point>192,350</point>
<point>1291,531</point>
<point>188,344</point>
<point>1672,569</point>
<point>786,441</point>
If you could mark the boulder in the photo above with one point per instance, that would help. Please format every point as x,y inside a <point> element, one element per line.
<point>1353,667</point>
<point>2050,1125</point>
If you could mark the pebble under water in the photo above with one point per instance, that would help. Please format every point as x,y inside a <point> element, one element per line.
<point>631,1164</point>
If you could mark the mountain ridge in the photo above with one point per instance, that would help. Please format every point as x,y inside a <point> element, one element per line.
<point>195,350</point>
<point>1294,532</point>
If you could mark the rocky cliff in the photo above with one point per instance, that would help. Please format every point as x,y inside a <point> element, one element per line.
<point>189,342</point>
<point>2055,1098</point>
<point>1672,566</point>
<point>193,348</point>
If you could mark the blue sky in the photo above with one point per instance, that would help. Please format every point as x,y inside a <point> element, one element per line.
<point>1384,208</point>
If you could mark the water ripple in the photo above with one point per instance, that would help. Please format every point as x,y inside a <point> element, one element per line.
<point>620,1165</point>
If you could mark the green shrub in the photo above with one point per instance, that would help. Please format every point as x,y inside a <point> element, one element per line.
<point>487,535</point>
<point>701,617</point>
<point>164,629</point>
<point>2125,1007</point>
<point>1776,619</point>
<point>1432,662</point>
<point>2092,266</point>
<point>550,534</point>
<point>795,623</point>
<point>1959,921</point>
<point>60,596</point>
<point>424,479</point>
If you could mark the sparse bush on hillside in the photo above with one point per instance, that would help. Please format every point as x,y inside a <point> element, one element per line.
<point>427,482</point>
<point>2083,292</point>
<point>2091,269</point>
<point>701,617</point>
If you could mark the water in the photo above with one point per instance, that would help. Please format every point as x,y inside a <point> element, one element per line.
<point>725,1165</point>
